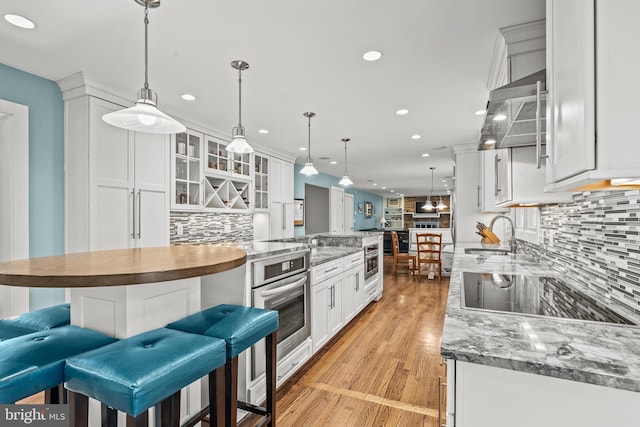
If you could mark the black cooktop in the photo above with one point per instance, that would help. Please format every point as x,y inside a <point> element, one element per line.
<point>542,296</point>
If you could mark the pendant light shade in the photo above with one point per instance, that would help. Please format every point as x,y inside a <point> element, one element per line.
<point>441,205</point>
<point>308,168</point>
<point>345,181</point>
<point>239,142</point>
<point>145,116</point>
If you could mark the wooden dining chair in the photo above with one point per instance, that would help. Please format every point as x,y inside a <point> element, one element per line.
<point>397,256</point>
<point>429,252</point>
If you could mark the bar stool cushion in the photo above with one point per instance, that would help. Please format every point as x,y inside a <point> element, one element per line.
<point>35,362</point>
<point>239,326</point>
<point>51,317</point>
<point>9,330</point>
<point>135,373</point>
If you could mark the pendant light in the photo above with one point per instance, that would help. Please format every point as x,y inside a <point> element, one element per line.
<point>145,116</point>
<point>239,142</point>
<point>346,181</point>
<point>428,205</point>
<point>441,205</point>
<point>308,168</point>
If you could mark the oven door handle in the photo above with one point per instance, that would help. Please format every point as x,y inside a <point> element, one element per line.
<point>281,289</point>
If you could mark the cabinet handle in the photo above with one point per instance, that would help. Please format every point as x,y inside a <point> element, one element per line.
<point>284,216</point>
<point>139,213</point>
<point>497,160</point>
<point>358,282</point>
<point>539,155</point>
<point>331,269</point>
<point>133,214</point>
<point>440,386</point>
<point>478,196</point>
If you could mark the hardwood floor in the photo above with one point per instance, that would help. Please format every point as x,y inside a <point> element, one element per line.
<point>381,370</point>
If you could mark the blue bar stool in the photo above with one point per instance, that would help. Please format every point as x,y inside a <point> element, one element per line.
<point>35,362</point>
<point>240,327</point>
<point>36,320</point>
<point>136,373</point>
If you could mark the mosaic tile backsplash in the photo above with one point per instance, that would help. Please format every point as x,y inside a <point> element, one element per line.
<point>206,227</point>
<point>596,240</point>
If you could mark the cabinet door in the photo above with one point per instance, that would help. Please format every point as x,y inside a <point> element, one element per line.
<point>336,316</point>
<point>353,292</point>
<point>348,212</point>
<point>151,174</point>
<point>187,181</point>
<point>336,221</point>
<point>281,220</point>
<point>571,86</point>
<point>486,197</point>
<point>112,167</point>
<point>502,167</point>
<point>261,183</point>
<point>320,306</point>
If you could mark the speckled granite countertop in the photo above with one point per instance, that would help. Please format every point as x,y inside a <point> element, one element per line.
<point>596,353</point>
<point>323,254</point>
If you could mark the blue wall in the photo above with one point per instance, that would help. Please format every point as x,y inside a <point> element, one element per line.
<point>327,181</point>
<point>46,166</point>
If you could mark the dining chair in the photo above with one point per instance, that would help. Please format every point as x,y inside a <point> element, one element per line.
<point>397,256</point>
<point>429,252</point>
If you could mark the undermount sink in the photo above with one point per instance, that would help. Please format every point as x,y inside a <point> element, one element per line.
<point>486,251</point>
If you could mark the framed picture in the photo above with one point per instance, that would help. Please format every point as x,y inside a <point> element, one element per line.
<point>368,210</point>
<point>298,212</point>
<point>359,208</point>
<point>394,203</point>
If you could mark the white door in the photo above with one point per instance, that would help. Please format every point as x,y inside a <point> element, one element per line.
<point>336,221</point>
<point>348,212</point>
<point>14,193</point>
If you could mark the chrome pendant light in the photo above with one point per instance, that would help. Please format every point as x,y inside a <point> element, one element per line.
<point>441,205</point>
<point>145,116</point>
<point>428,205</point>
<point>345,181</point>
<point>308,168</point>
<point>239,142</point>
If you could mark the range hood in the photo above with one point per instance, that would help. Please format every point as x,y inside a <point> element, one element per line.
<point>516,104</point>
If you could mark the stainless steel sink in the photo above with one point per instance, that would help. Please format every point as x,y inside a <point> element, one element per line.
<point>486,251</point>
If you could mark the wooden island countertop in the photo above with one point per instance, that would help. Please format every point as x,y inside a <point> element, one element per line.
<point>121,266</point>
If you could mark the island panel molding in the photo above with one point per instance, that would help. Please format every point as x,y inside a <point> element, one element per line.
<point>121,266</point>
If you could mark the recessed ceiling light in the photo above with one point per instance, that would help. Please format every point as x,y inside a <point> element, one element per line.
<point>499,117</point>
<point>375,185</point>
<point>446,185</point>
<point>392,191</point>
<point>188,97</point>
<point>480,112</point>
<point>19,21</point>
<point>402,112</point>
<point>444,180</point>
<point>263,131</point>
<point>416,136</point>
<point>372,55</point>
<point>384,188</point>
<point>439,147</point>
<point>302,148</point>
<point>333,162</point>
<point>490,141</point>
<point>425,154</point>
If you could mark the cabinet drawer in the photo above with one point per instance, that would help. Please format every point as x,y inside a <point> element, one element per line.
<point>354,260</point>
<point>326,270</point>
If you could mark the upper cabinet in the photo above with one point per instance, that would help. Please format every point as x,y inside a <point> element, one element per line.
<point>394,212</point>
<point>281,205</point>
<point>592,101</point>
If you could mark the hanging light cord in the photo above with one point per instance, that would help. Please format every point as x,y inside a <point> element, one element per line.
<point>309,146</point>
<point>240,97</point>
<point>345,159</point>
<point>146,46</point>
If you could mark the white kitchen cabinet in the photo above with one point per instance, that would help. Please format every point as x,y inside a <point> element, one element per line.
<point>487,196</point>
<point>353,296</point>
<point>336,219</point>
<point>186,185</point>
<point>281,205</point>
<point>486,396</point>
<point>348,212</point>
<point>518,182</point>
<point>394,212</point>
<point>326,302</point>
<point>592,107</point>
<point>261,183</point>
<point>116,181</point>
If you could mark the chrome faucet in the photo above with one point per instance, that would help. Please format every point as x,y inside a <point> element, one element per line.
<point>512,242</point>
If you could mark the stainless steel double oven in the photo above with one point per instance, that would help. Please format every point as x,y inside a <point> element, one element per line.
<point>370,259</point>
<point>282,283</point>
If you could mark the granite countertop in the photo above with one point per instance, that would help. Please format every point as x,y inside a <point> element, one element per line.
<point>591,352</point>
<point>322,254</point>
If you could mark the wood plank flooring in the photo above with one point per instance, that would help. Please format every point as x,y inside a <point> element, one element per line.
<point>381,370</point>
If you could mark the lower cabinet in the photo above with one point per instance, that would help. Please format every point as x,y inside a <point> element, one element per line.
<point>480,396</point>
<point>353,287</point>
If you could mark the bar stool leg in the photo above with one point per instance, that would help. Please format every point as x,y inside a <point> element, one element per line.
<point>141,420</point>
<point>270,373</point>
<point>170,410</point>
<point>231,392</point>
<point>217,400</point>
<point>78,409</point>
<point>108,416</point>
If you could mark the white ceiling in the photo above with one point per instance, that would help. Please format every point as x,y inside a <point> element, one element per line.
<point>303,56</point>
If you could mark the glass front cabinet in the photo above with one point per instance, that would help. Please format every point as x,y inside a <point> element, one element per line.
<point>207,176</point>
<point>261,183</point>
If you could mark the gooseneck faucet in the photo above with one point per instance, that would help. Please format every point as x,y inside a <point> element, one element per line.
<point>512,241</point>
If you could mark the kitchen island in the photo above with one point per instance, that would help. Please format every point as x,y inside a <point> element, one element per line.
<point>508,369</point>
